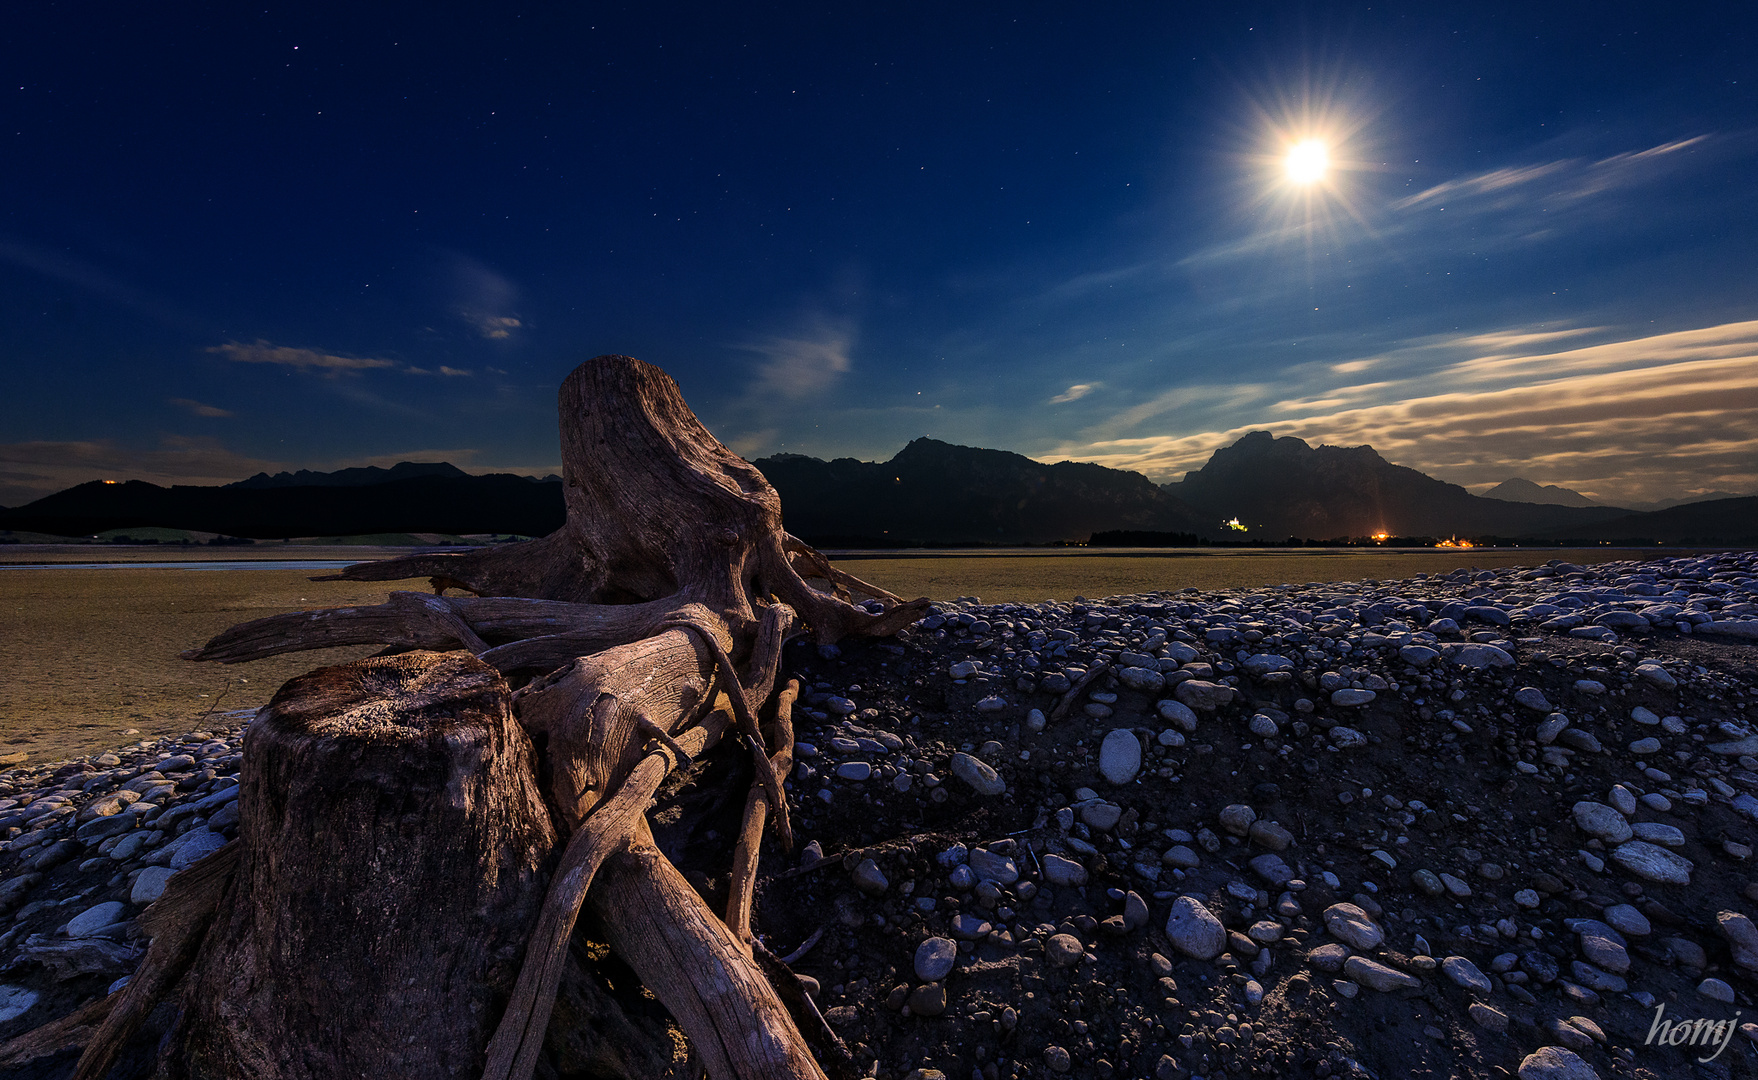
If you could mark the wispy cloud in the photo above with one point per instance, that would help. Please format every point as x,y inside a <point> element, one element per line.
<point>805,363</point>
<point>1567,178</point>
<point>486,299</point>
<point>71,271</point>
<point>442,370</point>
<point>1074,393</point>
<point>198,409</point>
<point>310,360</point>
<point>1637,418</point>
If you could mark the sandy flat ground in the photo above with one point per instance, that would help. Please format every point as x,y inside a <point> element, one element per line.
<point>87,654</point>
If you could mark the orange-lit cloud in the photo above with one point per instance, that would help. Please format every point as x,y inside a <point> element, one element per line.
<point>1635,419</point>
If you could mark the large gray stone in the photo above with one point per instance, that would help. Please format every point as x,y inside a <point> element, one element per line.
<point>1556,1063</point>
<point>1194,931</point>
<point>1651,863</point>
<point>1120,756</point>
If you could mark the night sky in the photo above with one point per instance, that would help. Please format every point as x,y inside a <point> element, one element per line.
<point>239,239</point>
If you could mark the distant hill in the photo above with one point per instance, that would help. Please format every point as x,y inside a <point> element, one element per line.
<point>935,492</point>
<point>1718,522</point>
<point>1525,491</point>
<point>440,503</point>
<point>357,477</point>
<point>1663,504</point>
<point>1283,487</point>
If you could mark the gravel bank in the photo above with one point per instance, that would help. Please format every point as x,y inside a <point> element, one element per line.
<point>1474,824</point>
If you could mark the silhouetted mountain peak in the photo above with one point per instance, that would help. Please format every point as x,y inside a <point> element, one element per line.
<point>1520,490</point>
<point>1279,487</point>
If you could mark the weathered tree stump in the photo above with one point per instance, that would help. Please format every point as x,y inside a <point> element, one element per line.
<point>648,627</point>
<point>393,851</point>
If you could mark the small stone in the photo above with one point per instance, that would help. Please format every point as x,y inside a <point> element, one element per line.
<point>1056,1059</point>
<point>993,866</point>
<point>1656,832</point>
<point>1101,815</point>
<point>1650,745</point>
<point>1627,920</point>
<point>1601,821</point>
<point>1466,975</point>
<point>1456,887</point>
<point>1488,1018</point>
<point>1552,726</point>
<point>1716,990</point>
<point>1272,870</point>
<point>1602,946</point>
<point>1742,938</point>
<point>1064,950</point>
<point>1063,872</point>
<point>1346,738</point>
<point>1580,739</point>
<point>1348,698</point>
<point>1270,835</point>
<point>1237,818</point>
<point>1349,923</point>
<point>1135,911</point>
<point>150,885</point>
<point>1176,712</point>
<point>15,1001</point>
<point>196,845</point>
<point>1146,680</point>
<point>934,959</point>
<point>977,773</point>
<point>1202,695</point>
<point>1378,976</point>
<point>1533,698</point>
<point>869,879</point>
<point>1428,882</point>
<point>854,770</point>
<point>928,999</point>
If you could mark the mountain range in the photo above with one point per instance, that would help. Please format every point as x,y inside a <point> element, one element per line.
<point>931,492</point>
<point>1520,490</point>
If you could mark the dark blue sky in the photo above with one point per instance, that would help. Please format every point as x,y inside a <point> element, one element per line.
<point>239,238</point>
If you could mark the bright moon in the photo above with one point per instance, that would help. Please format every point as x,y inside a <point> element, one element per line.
<point>1307,161</point>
